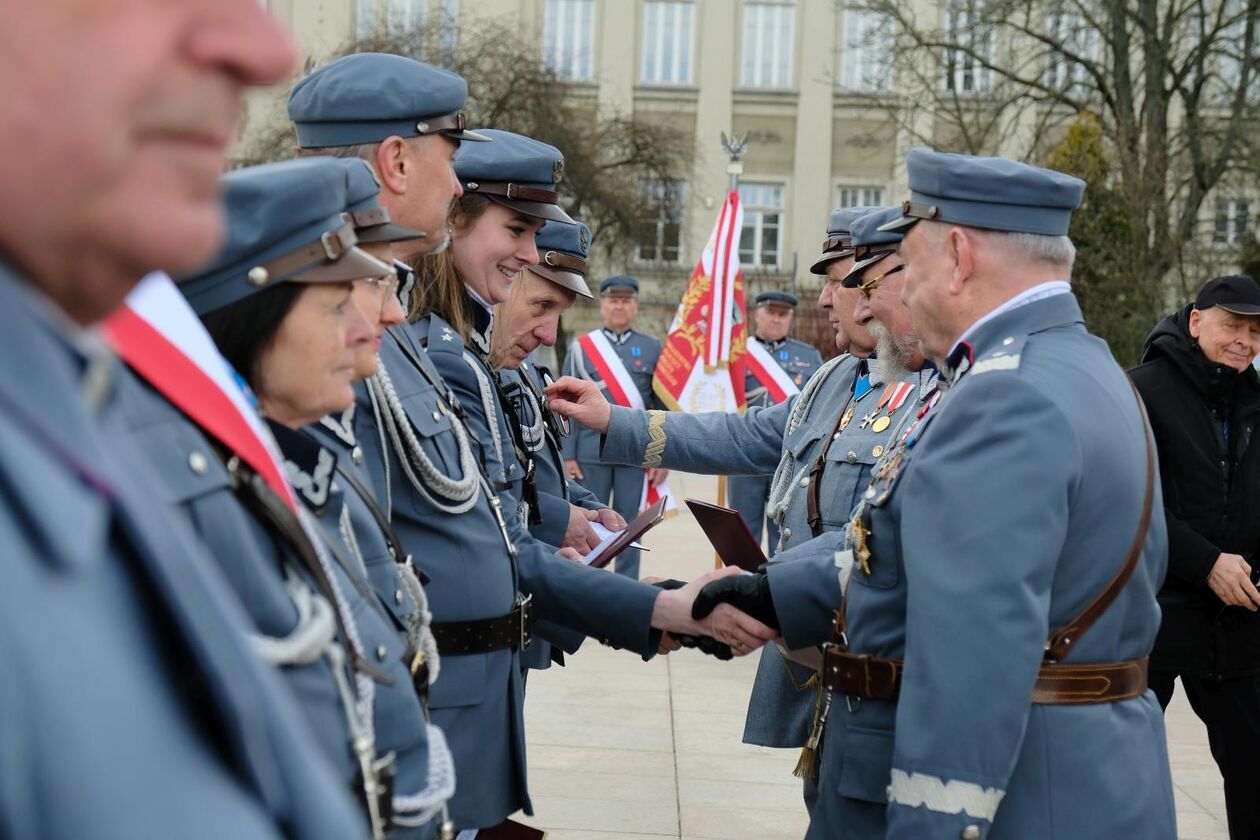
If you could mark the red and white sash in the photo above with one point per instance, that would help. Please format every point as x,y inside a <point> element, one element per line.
<point>769,373</point>
<point>623,392</point>
<point>156,332</point>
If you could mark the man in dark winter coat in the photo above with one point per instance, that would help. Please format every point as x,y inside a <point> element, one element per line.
<point>1203,397</point>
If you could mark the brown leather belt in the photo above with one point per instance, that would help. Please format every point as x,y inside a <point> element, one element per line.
<point>872,678</point>
<point>464,638</point>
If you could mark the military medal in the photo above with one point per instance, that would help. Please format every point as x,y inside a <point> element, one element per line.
<point>900,392</point>
<point>847,417</point>
<point>859,533</point>
<point>879,406</point>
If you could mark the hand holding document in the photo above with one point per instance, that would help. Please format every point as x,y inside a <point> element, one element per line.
<point>618,541</point>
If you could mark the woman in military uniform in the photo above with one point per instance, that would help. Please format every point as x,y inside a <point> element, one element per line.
<point>277,304</point>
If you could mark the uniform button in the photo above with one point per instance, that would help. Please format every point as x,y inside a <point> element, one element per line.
<point>888,794</point>
<point>511,468</point>
<point>805,481</point>
<point>398,597</point>
<point>971,832</point>
<point>197,463</point>
<point>436,416</point>
<point>382,652</point>
<point>356,455</point>
<point>851,457</point>
<point>836,436</point>
<point>1008,341</point>
<point>787,533</point>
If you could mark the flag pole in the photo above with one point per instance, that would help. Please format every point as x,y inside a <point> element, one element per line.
<point>734,147</point>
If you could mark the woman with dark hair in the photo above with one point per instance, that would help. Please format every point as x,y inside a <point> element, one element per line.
<point>280,304</point>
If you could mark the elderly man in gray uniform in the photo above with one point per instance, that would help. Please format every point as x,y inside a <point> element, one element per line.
<point>133,705</point>
<point>992,639</point>
<point>822,444</point>
<point>621,360</point>
<point>778,367</point>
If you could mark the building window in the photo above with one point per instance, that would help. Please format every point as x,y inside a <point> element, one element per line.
<point>1233,222</point>
<point>1077,38</point>
<point>866,51</point>
<point>661,239</point>
<point>759,240</point>
<point>448,38</point>
<point>569,38</point>
<point>406,16</point>
<point>365,19</point>
<point>861,197</point>
<point>667,38</point>
<point>965,65</point>
<point>768,45</point>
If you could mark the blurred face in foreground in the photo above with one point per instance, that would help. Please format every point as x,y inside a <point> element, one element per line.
<point>117,116</point>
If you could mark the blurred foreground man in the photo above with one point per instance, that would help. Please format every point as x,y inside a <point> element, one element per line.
<point>131,705</point>
<point>988,657</point>
<point>1204,400</point>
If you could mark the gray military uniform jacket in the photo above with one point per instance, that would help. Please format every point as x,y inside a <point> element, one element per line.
<point>430,477</point>
<point>1024,486</point>
<point>639,353</point>
<point>112,611</point>
<point>799,361</point>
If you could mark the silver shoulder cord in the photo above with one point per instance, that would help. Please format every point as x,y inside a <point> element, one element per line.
<point>456,495</point>
<point>787,478</point>
<point>417,808</point>
<point>488,399</point>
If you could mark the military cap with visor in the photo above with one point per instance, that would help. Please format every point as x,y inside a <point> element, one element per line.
<point>519,172</point>
<point>774,297</point>
<point>871,242</point>
<point>988,192</point>
<point>286,223</point>
<point>562,255</point>
<point>839,241</point>
<point>619,284</point>
<point>367,97</point>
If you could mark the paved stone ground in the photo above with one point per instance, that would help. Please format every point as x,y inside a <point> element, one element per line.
<point>620,749</point>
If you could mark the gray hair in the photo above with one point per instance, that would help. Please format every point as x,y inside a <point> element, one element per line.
<point>364,151</point>
<point>1057,251</point>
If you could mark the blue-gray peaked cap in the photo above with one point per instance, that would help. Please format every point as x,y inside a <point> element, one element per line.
<point>839,241</point>
<point>285,223</point>
<point>988,192</point>
<point>372,222</point>
<point>871,242</point>
<point>562,253</point>
<point>518,172</point>
<point>774,296</point>
<point>621,284</point>
<point>367,97</point>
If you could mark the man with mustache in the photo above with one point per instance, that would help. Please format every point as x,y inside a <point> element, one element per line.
<point>133,704</point>
<point>1204,397</point>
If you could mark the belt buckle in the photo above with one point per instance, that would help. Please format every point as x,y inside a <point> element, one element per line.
<point>523,608</point>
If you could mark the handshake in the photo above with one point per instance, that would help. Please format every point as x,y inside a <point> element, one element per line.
<point>724,613</point>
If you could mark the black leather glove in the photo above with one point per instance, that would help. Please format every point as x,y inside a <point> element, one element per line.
<point>704,644</point>
<point>747,593</point>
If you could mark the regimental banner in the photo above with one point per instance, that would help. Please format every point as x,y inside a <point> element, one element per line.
<point>157,333</point>
<point>769,373</point>
<point>701,367</point>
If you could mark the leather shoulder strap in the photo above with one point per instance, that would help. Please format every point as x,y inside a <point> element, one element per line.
<point>1060,644</point>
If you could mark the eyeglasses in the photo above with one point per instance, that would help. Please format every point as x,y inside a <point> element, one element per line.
<point>384,285</point>
<point>868,286</point>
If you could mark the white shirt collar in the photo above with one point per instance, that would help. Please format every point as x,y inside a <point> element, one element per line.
<point>1039,292</point>
<point>472,293</point>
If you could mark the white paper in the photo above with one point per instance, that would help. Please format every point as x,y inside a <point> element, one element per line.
<point>606,536</point>
<point>466,834</point>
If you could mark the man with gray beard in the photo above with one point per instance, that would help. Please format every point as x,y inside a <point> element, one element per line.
<point>821,446</point>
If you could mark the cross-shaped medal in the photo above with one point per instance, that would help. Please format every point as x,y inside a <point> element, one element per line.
<point>869,419</point>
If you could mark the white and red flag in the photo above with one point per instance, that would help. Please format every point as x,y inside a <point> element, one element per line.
<point>701,367</point>
<point>159,336</point>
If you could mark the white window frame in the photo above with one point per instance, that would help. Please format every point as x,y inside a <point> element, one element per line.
<point>768,52</point>
<point>866,51</point>
<point>669,37</point>
<point>1081,39</point>
<point>365,20</point>
<point>859,195</point>
<point>569,38</point>
<point>1233,220</point>
<point>755,219</point>
<point>654,191</point>
<point>405,15</point>
<point>962,75</point>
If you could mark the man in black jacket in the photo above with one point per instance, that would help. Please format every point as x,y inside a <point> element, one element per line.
<point>1203,397</point>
